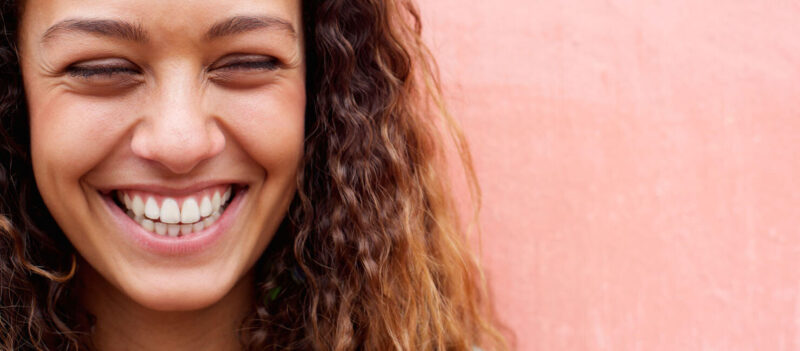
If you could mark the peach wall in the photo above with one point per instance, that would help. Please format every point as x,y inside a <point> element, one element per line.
<point>640,165</point>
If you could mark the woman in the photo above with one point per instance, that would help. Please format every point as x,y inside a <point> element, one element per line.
<point>223,175</point>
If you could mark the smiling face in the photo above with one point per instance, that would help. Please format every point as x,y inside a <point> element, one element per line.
<point>144,114</point>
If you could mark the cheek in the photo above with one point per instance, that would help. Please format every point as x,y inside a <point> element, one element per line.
<point>268,123</point>
<point>70,135</point>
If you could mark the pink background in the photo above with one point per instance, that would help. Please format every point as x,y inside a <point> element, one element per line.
<point>640,164</point>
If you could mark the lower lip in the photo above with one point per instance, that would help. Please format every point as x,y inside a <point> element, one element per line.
<point>176,246</point>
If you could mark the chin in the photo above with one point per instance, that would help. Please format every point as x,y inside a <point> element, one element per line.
<point>179,301</point>
<point>171,294</point>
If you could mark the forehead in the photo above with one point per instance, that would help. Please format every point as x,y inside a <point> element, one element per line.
<point>156,17</point>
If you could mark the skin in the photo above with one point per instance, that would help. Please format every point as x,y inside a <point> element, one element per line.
<point>181,108</point>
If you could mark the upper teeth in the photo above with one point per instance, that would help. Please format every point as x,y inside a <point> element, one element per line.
<point>181,214</point>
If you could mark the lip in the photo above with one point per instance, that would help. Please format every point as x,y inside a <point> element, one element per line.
<point>168,190</point>
<point>175,246</point>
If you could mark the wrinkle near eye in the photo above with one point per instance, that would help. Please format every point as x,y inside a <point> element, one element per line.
<point>45,68</point>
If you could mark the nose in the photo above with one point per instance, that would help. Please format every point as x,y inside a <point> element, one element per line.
<point>178,132</point>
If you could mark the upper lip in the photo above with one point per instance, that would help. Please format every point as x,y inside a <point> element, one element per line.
<point>167,189</point>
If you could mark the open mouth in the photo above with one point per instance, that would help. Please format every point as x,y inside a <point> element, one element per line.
<point>176,216</point>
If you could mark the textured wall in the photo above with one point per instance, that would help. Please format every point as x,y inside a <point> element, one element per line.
<point>640,164</point>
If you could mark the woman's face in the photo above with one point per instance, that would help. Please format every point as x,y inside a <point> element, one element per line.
<point>166,135</point>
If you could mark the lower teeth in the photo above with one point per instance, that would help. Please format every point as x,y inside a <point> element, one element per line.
<point>177,229</point>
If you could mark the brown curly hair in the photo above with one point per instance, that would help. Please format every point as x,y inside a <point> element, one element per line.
<point>371,255</point>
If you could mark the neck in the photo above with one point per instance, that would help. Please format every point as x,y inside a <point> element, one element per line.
<point>122,324</point>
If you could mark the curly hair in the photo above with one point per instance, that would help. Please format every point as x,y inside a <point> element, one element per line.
<point>371,255</point>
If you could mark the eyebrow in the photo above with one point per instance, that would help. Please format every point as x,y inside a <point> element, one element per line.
<point>135,31</point>
<point>104,27</point>
<point>240,24</point>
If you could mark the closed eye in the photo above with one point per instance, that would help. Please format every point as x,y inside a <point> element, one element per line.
<point>88,72</point>
<point>249,62</point>
<point>257,65</point>
<point>245,71</point>
<point>102,69</point>
<point>104,77</point>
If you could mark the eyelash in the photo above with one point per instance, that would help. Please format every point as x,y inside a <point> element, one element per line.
<point>86,72</point>
<point>270,64</point>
